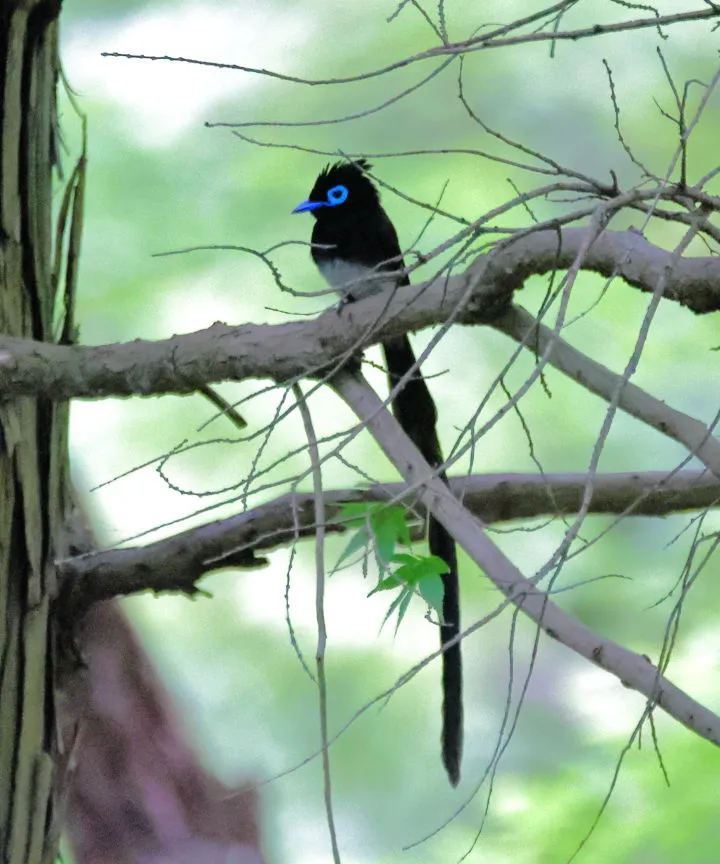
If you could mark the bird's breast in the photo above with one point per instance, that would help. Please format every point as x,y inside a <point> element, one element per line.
<point>349,277</point>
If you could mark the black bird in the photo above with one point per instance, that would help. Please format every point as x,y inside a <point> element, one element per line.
<point>354,244</point>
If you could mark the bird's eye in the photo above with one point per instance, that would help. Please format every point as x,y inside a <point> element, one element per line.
<point>337,195</point>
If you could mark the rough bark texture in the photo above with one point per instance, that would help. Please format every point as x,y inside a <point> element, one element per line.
<point>482,294</point>
<point>33,454</point>
<point>96,747</point>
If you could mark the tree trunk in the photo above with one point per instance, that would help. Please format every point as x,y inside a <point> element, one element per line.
<point>33,433</point>
<point>138,793</point>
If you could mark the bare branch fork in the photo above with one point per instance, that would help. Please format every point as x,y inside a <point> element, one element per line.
<point>286,351</point>
<point>633,670</point>
<point>482,294</point>
<point>491,281</point>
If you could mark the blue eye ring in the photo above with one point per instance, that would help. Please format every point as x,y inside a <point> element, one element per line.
<point>337,195</point>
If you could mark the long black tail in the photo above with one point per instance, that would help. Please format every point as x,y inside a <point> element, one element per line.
<point>415,411</point>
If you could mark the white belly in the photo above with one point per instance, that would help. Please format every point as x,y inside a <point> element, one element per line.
<point>347,278</point>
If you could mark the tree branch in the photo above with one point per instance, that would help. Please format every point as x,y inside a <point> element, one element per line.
<point>633,670</point>
<point>686,430</point>
<point>286,352</point>
<point>492,39</point>
<point>177,563</point>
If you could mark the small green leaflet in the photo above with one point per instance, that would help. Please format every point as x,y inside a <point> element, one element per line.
<point>383,528</point>
<point>416,574</point>
<point>359,540</point>
<point>386,525</point>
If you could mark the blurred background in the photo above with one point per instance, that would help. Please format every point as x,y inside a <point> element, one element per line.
<point>160,180</point>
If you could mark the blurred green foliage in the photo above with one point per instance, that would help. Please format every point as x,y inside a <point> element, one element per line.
<point>158,182</point>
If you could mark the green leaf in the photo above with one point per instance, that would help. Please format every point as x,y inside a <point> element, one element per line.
<point>359,540</point>
<point>434,565</point>
<point>404,558</point>
<point>389,528</point>
<point>432,590</point>
<point>416,574</point>
<point>415,567</point>
<point>390,583</point>
<point>385,539</point>
<point>405,599</point>
<point>400,603</point>
<point>354,515</point>
<point>385,525</point>
<point>393,519</point>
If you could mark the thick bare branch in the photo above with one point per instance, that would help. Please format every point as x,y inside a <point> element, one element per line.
<point>288,351</point>
<point>176,563</point>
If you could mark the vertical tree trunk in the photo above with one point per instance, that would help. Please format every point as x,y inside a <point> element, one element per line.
<point>33,447</point>
<point>197,818</point>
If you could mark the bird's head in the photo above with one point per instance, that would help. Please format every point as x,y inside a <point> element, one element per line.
<point>341,189</point>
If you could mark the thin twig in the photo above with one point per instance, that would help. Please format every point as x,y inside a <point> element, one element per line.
<point>479,43</point>
<point>319,503</point>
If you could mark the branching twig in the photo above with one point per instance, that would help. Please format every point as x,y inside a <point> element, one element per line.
<point>492,39</point>
<point>683,428</point>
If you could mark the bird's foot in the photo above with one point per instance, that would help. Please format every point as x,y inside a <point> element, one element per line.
<point>344,301</point>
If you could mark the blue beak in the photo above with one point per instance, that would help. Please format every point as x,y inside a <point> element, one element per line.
<point>308,206</point>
